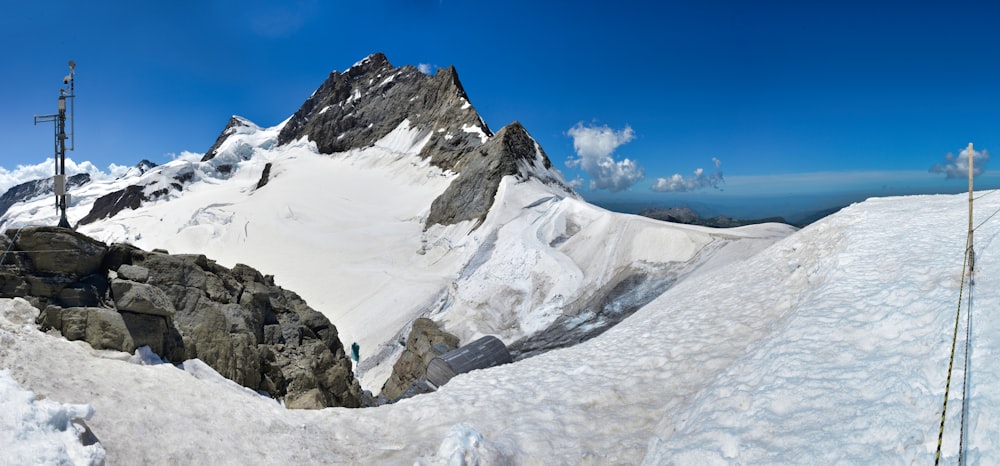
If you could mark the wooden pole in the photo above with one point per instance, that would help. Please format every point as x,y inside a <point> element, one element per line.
<point>970,154</point>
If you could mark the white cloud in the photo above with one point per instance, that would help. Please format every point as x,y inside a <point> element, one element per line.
<point>958,167</point>
<point>594,147</point>
<point>25,173</point>
<point>698,180</point>
<point>426,68</point>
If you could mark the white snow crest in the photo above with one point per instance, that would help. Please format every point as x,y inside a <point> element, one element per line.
<point>476,130</point>
<point>464,446</point>
<point>40,431</point>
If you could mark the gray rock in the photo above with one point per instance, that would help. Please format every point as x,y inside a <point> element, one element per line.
<point>250,330</point>
<point>106,330</point>
<point>53,250</point>
<point>141,298</point>
<point>511,152</point>
<point>102,328</point>
<point>133,273</point>
<point>187,306</point>
<point>156,332</point>
<point>425,342</point>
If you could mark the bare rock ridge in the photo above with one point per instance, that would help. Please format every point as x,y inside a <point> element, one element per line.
<point>182,307</point>
<point>510,152</point>
<point>358,107</point>
<point>362,105</point>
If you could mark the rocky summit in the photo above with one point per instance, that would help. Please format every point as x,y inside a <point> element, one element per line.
<point>182,307</point>
<point>362,105</point>
<point>355,109</point>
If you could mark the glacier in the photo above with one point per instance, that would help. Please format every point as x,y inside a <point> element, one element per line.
<point>830,346</point>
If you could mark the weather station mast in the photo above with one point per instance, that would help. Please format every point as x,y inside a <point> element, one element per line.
<point>61,136</point>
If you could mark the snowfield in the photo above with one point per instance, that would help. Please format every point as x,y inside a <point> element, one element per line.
<point>346,232</point>
<point>829,347</point>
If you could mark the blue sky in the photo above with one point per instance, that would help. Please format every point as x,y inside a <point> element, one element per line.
<point>786,98</point>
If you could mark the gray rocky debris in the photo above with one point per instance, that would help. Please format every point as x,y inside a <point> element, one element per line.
<point>182,306</point>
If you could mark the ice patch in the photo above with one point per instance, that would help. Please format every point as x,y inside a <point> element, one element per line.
<point>476,130</point>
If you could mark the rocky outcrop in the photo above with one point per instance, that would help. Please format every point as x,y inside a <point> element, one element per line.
<point>510,152</point>
<point>425,342</point>
<point>183,307</point>
<point>355,108</point>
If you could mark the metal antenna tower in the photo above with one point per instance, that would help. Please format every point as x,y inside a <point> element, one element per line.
<point>61,136</point>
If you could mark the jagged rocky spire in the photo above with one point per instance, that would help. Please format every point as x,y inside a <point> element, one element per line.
<point>364,103</point>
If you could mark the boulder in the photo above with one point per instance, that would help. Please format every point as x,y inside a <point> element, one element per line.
<point>141,298</point>
<point>102,328</point>
<point>133,273</point>
<point>54,250</point>
<point>425,342</point>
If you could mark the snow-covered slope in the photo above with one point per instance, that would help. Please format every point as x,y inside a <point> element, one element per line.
<point>347,232</point>
<point>829,347</point>
<point>385,198</point>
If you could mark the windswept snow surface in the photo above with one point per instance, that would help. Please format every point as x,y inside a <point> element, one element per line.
<point>829,347</point>
<point>346,232</point>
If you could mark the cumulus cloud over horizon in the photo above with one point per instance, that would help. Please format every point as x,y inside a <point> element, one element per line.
<point>595,147</point>
<point>699,180</point>
<point>958,167</point>
<point>25,173</point>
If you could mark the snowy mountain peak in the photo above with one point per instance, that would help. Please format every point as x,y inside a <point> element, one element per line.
<point>236,124</point>
<point>356,108</point>
<point>376,60</point>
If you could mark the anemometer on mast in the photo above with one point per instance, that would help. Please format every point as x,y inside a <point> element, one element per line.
<point>61,136</point>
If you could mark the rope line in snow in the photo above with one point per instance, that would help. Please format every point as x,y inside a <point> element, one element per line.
<point>968,349</point>
<point>995,212</point>
<point>954,340</point>
<point>987,194</point>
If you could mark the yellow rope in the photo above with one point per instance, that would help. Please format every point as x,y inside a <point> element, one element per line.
<point>951,361</point>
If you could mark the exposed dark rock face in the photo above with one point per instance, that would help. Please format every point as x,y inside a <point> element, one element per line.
<point>265,176</point>
<point>687,216</point>
<point>132,197</point>
<point>362,105</point>
<point>33,189</point>
<point>181,306</point>
<point>110,204</point>
<point>425,342</point>
<point>510,152</point>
